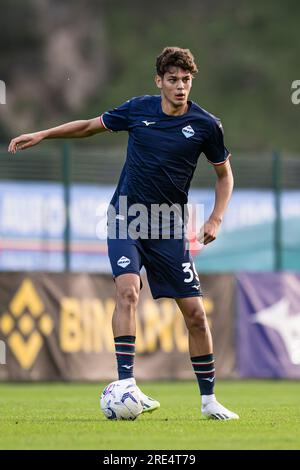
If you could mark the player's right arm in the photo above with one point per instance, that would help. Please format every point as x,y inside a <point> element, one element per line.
<point>74,129</point>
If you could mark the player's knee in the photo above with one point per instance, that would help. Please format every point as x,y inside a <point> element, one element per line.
<point>196,320</point>
<point>128,296</point>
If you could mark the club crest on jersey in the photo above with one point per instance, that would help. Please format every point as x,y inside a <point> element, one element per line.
<point>123,262</point>
<point>188,131</point>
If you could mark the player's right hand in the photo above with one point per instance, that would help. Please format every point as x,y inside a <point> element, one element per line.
<point>24,141</point>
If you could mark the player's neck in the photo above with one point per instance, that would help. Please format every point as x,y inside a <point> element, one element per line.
<point>171,110</point>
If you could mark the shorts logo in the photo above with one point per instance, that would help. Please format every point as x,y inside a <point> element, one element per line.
<point>123,262</point>
<point>188,131</point>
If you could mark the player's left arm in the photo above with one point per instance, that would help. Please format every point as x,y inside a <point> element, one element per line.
<point>223,191</point>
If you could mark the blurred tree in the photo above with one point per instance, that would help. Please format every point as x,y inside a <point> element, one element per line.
<point>67,60</point>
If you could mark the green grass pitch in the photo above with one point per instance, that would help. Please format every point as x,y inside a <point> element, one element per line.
<point>67,416</point>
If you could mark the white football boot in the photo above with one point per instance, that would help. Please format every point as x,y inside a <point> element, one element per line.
<point>149,404</point>
<point>214,410</point>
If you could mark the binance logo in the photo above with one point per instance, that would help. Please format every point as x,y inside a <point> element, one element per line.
<point>25,324</point>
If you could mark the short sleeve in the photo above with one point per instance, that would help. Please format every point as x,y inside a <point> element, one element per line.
<point>214,148</point>
<point>117,119</point>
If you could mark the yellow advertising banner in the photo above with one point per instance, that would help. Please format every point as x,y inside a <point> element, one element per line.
<point>58,327</point>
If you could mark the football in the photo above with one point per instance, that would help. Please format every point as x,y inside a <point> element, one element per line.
<point>121,400</point>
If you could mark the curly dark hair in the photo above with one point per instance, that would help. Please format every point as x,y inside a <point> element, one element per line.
<point>175,57</point>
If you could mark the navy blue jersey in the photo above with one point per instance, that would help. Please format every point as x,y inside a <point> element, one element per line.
<point>163,150</point>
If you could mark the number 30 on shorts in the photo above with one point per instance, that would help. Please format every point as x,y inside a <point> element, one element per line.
<point>190,269</point>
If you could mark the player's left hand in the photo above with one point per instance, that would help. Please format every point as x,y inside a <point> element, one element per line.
<point>209,231</point>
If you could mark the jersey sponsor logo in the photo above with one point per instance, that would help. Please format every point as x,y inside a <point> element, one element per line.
<point>123,262</point>
<point>188,131</point>
<point>148,123</point>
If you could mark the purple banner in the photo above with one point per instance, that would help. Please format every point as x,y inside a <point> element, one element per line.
<point>268,315</point>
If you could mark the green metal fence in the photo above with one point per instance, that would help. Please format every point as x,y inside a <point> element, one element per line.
<point>68,163</point>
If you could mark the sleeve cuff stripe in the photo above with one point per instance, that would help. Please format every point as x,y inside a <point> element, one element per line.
<point>103,123</point>
<point>220,163</point>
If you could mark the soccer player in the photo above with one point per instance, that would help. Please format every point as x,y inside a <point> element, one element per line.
<point>167,133</point>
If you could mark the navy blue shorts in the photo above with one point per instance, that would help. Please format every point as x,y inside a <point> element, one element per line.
<point>169,266</point>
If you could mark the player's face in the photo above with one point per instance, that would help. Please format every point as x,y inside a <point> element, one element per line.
<point>175,86</point>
